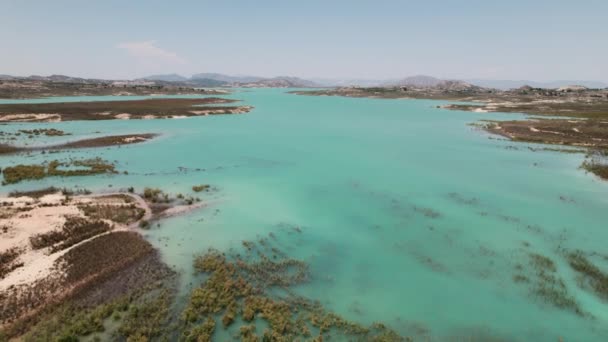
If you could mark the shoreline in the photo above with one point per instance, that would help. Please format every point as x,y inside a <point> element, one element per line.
<point>572,118</point>
<point>43,268</point>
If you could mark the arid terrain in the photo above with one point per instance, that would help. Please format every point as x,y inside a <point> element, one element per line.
<point>38,87</point>
<point>63,248</point>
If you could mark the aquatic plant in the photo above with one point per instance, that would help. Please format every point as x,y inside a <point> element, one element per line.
<point>18,173</point>
<point>202,187</point>
<point>155,195</point>
<point>241,287</point>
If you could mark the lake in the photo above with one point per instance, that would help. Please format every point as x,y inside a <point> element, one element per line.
<point>405,213</point>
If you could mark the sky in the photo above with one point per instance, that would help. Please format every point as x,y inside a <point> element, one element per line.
<point>457,39</point>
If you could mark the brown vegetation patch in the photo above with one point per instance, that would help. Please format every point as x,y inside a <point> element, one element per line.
<point>553,131</point>
<point>78,269</point>
<point>130,296</point>
<point>8,261</point>
<point>104,254</point>
<point>125,214</point>
<point>75,230</point>
<point>134,109</point>
<point>35,193</point>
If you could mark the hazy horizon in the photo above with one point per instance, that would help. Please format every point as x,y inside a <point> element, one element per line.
<point>341,40</point>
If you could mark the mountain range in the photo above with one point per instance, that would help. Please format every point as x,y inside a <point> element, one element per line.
<point>512,84</point>
<point>223,80</point>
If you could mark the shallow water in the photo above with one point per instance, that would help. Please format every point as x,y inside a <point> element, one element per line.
<point>406,214</point>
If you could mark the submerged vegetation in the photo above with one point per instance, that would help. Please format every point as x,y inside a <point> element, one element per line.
<point>202,187</point>
<point>546,284</point>
<point>597,163</point>
<point>18,173</point>
<point>590,275</point>
<point>113,140</point>
<point>244,289</point>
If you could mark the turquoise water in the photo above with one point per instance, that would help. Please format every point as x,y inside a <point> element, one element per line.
<point>407,214</point>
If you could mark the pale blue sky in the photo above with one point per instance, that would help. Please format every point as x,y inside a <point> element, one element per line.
<point>516,39</point>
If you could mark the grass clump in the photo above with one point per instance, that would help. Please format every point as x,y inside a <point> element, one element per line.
<point>156,195</point>
<point>144,224</point>
<point>8,260</point>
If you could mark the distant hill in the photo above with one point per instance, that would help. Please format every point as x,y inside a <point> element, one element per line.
<point>222,80</point>
<point>226,78</point>
<point>207,82</point>
<point>282,82</point>
<point>513,84</point>
<point>166,78</point>
<point>337,82</point>
<point>421,81</point>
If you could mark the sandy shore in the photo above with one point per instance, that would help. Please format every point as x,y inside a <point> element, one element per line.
<point>25,217</point>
